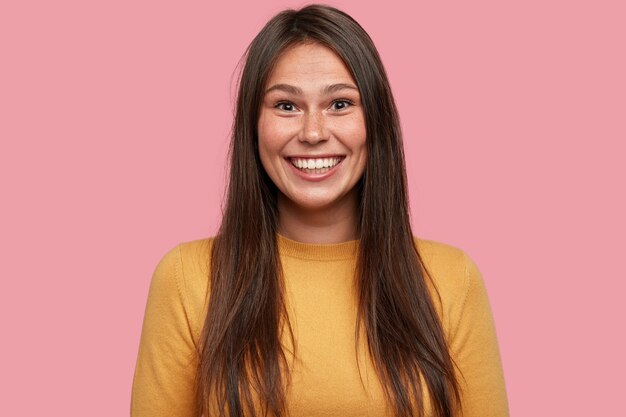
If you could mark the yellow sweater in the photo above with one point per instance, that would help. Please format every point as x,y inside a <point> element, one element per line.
<point>322,311</point>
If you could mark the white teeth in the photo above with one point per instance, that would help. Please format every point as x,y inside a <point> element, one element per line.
<point>309,163</point>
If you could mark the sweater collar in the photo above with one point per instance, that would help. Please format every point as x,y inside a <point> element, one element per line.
<point>317,251</point>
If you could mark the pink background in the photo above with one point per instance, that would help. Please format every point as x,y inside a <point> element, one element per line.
<point>114,118</point>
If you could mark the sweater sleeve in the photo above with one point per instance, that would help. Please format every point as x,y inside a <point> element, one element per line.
<point>474,347</point>
<point>164,378</point>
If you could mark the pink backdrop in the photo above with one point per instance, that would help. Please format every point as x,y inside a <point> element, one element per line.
<point>114,118</point>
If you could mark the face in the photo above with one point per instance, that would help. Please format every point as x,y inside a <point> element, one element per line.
<point>311,129</point>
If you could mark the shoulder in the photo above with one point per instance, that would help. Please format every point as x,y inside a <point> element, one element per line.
<point>186,266</point>
<point>438,252</point>
<point>186,261</point>
<point>447,263</point>
<point>453,273</point>
<point>195,255</point>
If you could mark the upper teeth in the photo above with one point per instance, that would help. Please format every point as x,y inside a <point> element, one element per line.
<point>315,163</point>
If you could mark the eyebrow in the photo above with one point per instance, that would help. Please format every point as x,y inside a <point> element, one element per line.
<point>292,89</point>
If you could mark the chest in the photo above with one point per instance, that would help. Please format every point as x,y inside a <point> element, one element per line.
<point>330,375</point>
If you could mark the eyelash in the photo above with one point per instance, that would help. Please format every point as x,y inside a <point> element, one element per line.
<point>343,100</point>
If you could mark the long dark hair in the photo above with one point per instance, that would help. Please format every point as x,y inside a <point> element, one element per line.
<point>240,350</point>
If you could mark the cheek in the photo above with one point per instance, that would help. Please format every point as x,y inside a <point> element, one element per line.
<point>265,135</point>
<point>269,144</point>
<point>352,132</point>
<point>271,133</point>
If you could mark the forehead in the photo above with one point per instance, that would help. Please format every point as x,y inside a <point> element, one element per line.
<point>309,63</point>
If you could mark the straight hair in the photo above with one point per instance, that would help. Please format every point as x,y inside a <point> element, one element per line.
<point>240,345</point>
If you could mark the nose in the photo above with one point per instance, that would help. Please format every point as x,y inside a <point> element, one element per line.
<point>313,128</point>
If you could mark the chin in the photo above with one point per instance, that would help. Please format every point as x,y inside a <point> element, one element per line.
<point>313,204</point>
<point>316,202</point>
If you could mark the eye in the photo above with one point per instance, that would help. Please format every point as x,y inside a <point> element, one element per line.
<point>285,106</point>
<point>341,104</point>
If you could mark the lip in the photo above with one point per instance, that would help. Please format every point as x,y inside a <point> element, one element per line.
<point>325,155</point>
<point>315,177</point>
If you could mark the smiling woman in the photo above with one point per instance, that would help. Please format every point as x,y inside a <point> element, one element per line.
<point>311,136</point>
<point>315,298</point>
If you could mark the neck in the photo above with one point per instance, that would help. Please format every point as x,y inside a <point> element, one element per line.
<point>333,224</point>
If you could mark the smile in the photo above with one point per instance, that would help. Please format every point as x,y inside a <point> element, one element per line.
<point>315,165</point>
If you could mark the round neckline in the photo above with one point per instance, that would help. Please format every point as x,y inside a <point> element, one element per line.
<point>317,251</point>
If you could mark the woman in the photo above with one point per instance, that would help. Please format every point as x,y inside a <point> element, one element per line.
<point>315,298</point>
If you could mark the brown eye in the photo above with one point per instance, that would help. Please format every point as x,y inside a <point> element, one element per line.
<point>341,104</point>
<point>285,106</point>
